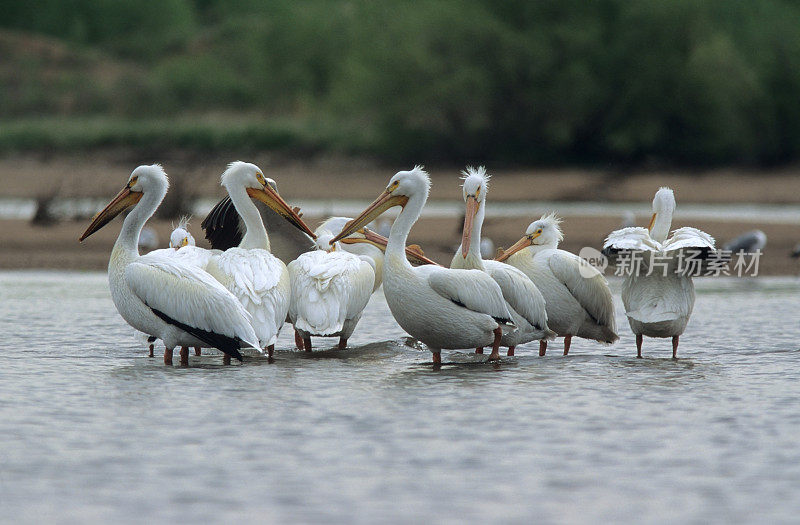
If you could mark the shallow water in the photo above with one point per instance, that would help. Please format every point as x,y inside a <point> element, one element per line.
<point>93,430</point>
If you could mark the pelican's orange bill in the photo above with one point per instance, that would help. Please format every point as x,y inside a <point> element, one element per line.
<point>270,197</point>
<point>384,201</point>
<point>413,252</point>
<point>123,200</point>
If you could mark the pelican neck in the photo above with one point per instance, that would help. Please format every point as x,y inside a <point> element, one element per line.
<point>128,239</point>
<point>255,235</point>
<point>661,226</point>
<point>398,235</point>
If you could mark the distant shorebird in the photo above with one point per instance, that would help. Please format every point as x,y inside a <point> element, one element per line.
<point>748,242</point>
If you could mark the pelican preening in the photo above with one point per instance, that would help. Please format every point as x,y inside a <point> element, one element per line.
<point>178,303</point>
<point>332,284</point>
<point>330,289</point>
<point>523,299</point>
<point>659,297</point>
<point>442,307</point>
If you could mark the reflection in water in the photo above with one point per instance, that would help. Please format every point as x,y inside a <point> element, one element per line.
<point>99,432</point>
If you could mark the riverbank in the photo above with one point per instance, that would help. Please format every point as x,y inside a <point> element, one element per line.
<point>101,174</point>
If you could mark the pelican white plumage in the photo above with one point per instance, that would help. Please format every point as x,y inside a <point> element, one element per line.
<point>442,307</point>
<point>256,277</point>
<point>330,289</point>
<point>524,301</point>
<point>328,284</point>
<point>659,296</point>
<point>176,302</point>
<point>576,295</point>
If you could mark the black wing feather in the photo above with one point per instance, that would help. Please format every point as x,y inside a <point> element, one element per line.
<point>228,345</point>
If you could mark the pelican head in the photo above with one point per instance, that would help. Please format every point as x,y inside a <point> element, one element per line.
<point>475,186</point>
<point>143,180</point>
<point>402,186</point>
<point>663,208</point>
<point>543,232</point>
<point>180,236</point>
<point>249,176</point>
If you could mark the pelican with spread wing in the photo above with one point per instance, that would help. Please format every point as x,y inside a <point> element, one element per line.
<point>658,292</point>
<point>577,297</point>
<point>442,307</point>
<point>176,302</point>
<point>525,302</point>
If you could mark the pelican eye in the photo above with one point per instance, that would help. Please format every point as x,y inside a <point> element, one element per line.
<point>132,182</point>
<point>393,186</point>
<point>260,179</point>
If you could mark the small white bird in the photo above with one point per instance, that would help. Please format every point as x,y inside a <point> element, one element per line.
<point>577,296</point>
<point>659,295</point>
<point>523,299</point>
<point>330,289</point>
<point>178,303</point>
<point>442,307</point>
<point>180,235</point>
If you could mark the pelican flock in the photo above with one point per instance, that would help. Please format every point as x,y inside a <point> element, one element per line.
<point>239,295</point>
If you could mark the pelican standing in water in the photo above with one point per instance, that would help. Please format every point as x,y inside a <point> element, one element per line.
<point>524,300</point>
<point>576,295</point>
<point>659,296</point>
<point>182,246</point>
<point>256,277</point>
<point>442,307</point>
<point>330,289</point>
<point>178,303</point>
<point>332,285</point>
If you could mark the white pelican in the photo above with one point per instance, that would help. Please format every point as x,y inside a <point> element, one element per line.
<point>330,289</point>
<point>576,295</point>
<point>442,307</point>
<point>182,244</point>
<point>178,303</point>
<point>658,304</point>
<point>328,284</point>
<point>524,300</point>
<point>256,277</point>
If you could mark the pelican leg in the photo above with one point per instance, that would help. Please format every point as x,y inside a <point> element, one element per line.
<point>152,341</point>
<point>639,338</point>
<point>511,350</point>
<point>495,355</point>
<point>567,342</point>
<point>479,350</point>
<point>437,359</point>
<point>298,340</point>
<point>167,356</point>
<point>270,350</point>
<point>197,351</point>
<point>675,347</point>
<point>542,347</point>
<point>184,356</point>
<point>226,359</point>
<point>342,343</point>
<point>307,343</point>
